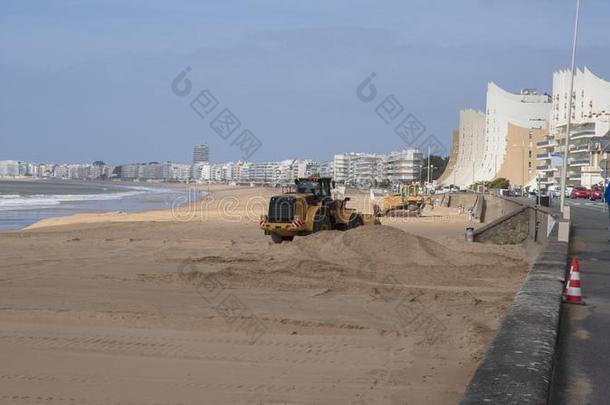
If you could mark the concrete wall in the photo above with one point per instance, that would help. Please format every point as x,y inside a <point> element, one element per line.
<point>526,223</point>
<point>510,222</point>
<point>465,200</point>
<point>496,207</point>
<point>507,221</point>
<point>518,365</point>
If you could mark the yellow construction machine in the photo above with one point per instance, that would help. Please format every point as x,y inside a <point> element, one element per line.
<point>407,202</point>
<point>310,208</point>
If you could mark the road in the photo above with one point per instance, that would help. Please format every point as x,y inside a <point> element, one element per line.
<point>582,372</point>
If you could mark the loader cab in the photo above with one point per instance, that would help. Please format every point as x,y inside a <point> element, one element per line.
<point>317,187</point>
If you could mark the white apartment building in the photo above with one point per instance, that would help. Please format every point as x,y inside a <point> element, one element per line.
<point>403,166</point>
<point>198,169</point>
<point>289,170</point>
<point>589,134</point>
<point>366,169</point>
<point>285,171</point>
<point>180,171</point>
<point>341,167</point>
<point>370,169</point>
<point>324,169</point>
<point>61,171</point>
<point>218,172</point>
<point>9,168</point>
<point>78,172</point>
<point>239,171</point>
<point>151,171</point>
<point>262,173</point>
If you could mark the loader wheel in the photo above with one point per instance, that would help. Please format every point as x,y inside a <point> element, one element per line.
<point>354,222</point>
<point>321,223</point>
<point>276,238</point>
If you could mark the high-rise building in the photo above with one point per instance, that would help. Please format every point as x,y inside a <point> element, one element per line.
<point>403,166</point>
<point>129,171</point>
<point>201,154</point>
<point>589,133</point>
<point>9,168</point>
<point>502,142</point>
<point>366,169</point>
<point>262,172</point>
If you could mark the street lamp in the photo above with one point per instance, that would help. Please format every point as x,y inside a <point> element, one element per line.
<point>569,123</point>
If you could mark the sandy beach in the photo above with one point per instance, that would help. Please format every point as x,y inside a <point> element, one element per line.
<point>196,306</point>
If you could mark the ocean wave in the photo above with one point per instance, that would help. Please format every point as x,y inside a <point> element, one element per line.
<point>12,202</point>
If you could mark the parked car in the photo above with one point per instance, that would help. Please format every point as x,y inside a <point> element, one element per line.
<point>580,192</point>
<point>596,193</point>
<point>555,192</point>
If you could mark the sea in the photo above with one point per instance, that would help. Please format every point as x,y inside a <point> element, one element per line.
<point>23,203</point>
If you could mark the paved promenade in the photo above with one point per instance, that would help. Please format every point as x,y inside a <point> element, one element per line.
<point>583,367</point>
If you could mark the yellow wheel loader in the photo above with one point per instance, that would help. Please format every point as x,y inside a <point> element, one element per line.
<point>310,208</point>
<point>408,202</point>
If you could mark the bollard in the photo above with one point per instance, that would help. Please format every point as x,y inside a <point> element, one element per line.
<point>470,234</point>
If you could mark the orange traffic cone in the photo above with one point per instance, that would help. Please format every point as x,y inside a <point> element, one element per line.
<point>572,293</point>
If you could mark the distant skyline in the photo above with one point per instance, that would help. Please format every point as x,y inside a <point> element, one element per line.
<point>86,81</point>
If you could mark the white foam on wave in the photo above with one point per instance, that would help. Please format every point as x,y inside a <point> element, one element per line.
<point>13,202</point>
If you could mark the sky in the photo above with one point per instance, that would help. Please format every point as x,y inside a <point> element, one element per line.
<point>95,80</point>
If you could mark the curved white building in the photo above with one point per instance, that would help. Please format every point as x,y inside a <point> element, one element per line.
<point>483,151</point>
<point>526,110</point>
<point>467,148</point>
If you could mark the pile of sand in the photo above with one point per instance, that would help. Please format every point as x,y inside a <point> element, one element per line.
<point>382,246</point>
<point>358,259</point>
<point>379,244</point>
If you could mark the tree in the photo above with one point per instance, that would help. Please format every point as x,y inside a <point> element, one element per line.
<point>500,182</point>
<point>438,164</point>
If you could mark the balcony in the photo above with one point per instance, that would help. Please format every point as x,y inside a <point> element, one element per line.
<point>583,132</point>
<point>547,143</point>
<point>578,162</point>
<point>543,156</point>
<point>545,168</point>
<point>579,148</point>
<point>547,180</point>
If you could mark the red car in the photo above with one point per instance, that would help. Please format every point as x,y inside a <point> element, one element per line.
<point>580,192</point>
<point>596,193</point>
